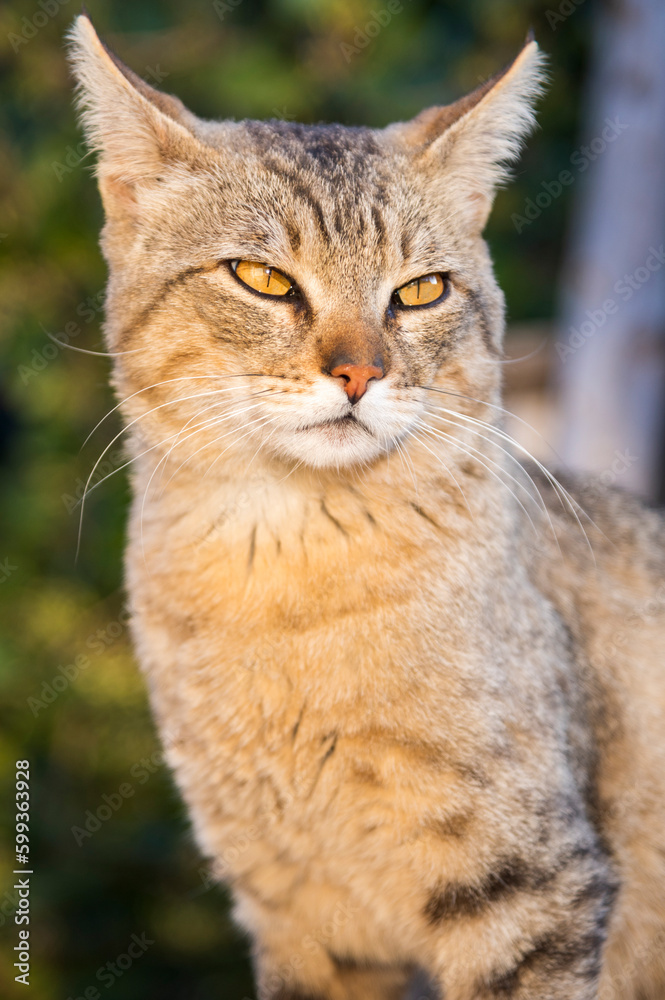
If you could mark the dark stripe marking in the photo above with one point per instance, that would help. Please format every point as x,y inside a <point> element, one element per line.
<point>301,192</point>
<point>483,321</point>
<point>334,520</point>
<point>252,548</point>
<point>469,900</point>
<point>553,954</point>
<point>329,752</point>
<point>293,233</point>
<point>425,515</point>
<point>294,994</point>
<point>294,731</point>
<point>599,887</point>
<point>167,287</point>
<point>379,224</point>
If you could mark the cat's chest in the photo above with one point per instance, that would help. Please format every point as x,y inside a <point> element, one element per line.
<point>261,647</point>
<point>312,790</point>
<point>364,741</point>
<point>339,697</point>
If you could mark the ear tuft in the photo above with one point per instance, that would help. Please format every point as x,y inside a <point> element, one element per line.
<point>135,129</point>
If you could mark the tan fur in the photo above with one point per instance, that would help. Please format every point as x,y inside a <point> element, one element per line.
<point>416,725</point>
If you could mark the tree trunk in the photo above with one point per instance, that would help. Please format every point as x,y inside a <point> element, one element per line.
<point>611,339</point>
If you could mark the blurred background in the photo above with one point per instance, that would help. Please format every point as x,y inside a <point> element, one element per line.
<point>578,245</point>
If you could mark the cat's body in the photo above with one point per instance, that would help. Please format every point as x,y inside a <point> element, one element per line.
<point>413,729</point>
<point>379,811</point>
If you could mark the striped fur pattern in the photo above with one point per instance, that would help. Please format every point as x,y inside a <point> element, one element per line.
<point>417,720</point>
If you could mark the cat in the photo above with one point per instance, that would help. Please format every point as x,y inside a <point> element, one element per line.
<point>412,690</point>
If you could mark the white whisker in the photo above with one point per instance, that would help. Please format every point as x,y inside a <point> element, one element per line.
<point>96,354</point>
<point>524,357</point>
<point>208,444</point>
<point>89,489</point>
<point>262,444</point>
<point>562,493</point>
<point>142,416</point>
<point>441,462</point>
<point>470,450</point>
<point>214,441</point>
<point>168,381</point>
<point>494,406</point>
<point>537,498</point>
<point>252,395</point>
<point>406,461</point>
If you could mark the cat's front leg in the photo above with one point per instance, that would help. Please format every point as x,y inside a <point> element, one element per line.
<point>560,965</point>
<point>290,963</point>
<point>539,938</point>
<point>344,984</point>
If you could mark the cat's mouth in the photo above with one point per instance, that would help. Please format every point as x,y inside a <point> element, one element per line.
<point>348,438</point>
<point>349,420</point>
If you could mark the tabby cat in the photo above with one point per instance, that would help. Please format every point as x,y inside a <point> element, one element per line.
<point>412,690</point>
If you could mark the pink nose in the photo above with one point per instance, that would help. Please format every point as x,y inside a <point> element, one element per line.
<point>356,378</point>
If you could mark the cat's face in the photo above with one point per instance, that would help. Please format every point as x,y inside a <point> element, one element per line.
<point>297,291</point>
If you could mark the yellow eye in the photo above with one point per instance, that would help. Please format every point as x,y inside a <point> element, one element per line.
<point>423,290</point>
<point>262,278</point>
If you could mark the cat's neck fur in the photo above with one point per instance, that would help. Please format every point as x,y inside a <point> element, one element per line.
<point>268,513</point>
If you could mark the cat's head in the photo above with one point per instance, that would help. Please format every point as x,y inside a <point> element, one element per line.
<point>297,290</point>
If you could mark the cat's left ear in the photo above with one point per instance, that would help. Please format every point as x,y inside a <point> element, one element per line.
<point>467,146</point>
<point>138,132</point>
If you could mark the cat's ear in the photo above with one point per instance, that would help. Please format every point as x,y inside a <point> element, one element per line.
<point>467,146</point>
<point>137,131</point>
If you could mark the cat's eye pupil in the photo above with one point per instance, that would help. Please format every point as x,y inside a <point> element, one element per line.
<point>262,278</point>
<point>423,290</point>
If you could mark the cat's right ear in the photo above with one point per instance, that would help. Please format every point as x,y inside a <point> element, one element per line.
<point>464,148</point>
<point>138,132</point>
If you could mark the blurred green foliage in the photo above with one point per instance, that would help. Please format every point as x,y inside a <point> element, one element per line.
<point>139,872</point>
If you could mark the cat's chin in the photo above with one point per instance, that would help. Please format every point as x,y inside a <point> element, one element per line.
<point>333,444</point>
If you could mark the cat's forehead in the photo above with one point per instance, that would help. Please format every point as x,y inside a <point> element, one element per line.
<point>342,163</point>
<point>326,187</point>
<point>325,150</point>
